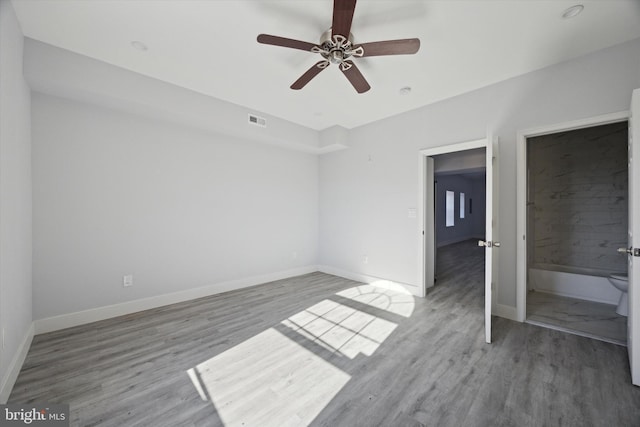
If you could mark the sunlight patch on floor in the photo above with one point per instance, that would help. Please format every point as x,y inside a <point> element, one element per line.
<point>383,294</point>
<point>284,375</point>
<point>342,329</point>
<point>269,380</point>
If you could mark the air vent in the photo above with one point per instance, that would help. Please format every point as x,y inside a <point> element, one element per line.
<point>257,120</point>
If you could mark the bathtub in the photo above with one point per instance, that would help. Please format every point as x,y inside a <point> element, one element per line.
<point>572,282</point>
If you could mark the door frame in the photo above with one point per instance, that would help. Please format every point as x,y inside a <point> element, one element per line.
<point>422,200</point>
<point>521,192</point>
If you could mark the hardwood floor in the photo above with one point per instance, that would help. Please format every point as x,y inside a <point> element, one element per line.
<point>325,351</point>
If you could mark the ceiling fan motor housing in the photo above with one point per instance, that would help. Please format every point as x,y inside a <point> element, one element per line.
<point>336,48</point>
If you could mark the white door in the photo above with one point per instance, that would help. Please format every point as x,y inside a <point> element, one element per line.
<point>633,321</point>
<point>490,244</point>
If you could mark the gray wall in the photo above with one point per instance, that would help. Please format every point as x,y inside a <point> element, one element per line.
<point>578,185</point>
<point>15,199</point>
<point>179,208</point>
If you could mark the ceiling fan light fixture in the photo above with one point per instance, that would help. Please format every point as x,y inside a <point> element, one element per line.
<point>336,56</point>
<point>573,11</point>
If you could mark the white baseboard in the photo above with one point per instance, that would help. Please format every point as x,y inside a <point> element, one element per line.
<point>15,366</point>
<point>69,320</point>
<point>505,311</point>
<point>364,278</point>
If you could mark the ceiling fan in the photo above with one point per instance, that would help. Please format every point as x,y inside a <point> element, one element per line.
<point>336,46</point>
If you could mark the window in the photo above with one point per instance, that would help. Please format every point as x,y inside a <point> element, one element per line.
<point>450,209</point>
<point>461,205</point>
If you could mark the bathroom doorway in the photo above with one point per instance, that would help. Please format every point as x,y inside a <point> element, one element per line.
<point>576,219</point>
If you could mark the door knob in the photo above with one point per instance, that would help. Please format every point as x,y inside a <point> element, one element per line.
<point>489,244</point>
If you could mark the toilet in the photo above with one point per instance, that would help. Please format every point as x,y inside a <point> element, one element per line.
<point>621,282</point>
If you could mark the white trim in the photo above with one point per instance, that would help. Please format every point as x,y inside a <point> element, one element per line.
<point>15,366</point>
<point>521,192</point>
<point>453,148</point>
<point>506,311</point>
<point>423,154</point>
<point>364,278</point>
<point>422,221</point>
<point>589,122</point>
<point>521,225</point>
<point>68,320</point>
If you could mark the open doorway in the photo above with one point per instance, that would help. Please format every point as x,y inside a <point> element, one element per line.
<point>460,199</point>
<point>461,156</point>
<point>576,219</point>
<point>632,247</point>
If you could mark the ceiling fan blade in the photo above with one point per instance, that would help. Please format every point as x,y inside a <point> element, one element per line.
<point>284,42</point>
<point>342,17</point>
<point>388,47</point>
<point>354,75</point>
<point>309,74</point>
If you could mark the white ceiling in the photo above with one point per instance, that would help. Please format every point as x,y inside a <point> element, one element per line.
<point>209,46</point>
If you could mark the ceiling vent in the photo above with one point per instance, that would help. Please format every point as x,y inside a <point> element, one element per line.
<point>257,120</point>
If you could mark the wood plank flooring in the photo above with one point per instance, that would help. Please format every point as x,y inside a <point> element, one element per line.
<point>325,351</point>
<point>581,317</point>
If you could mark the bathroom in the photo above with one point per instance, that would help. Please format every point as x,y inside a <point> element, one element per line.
<point>577,213</point>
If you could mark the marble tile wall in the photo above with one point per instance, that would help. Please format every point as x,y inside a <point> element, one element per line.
<point>578,189</point>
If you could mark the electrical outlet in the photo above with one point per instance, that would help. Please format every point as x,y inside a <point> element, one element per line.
<point>294,255</point>
<point>365,259</point>
<point>127,280</point>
